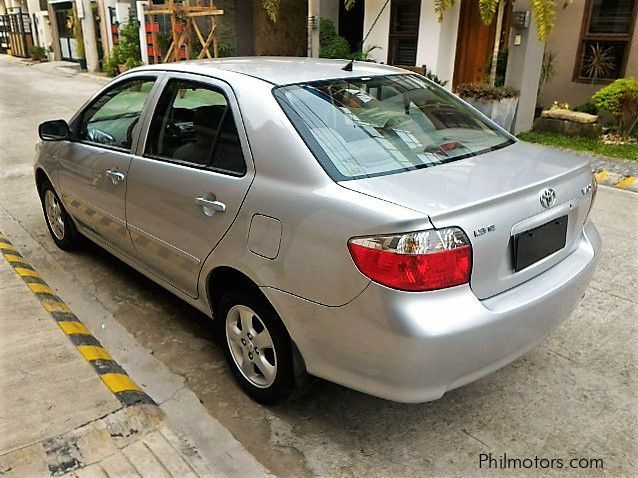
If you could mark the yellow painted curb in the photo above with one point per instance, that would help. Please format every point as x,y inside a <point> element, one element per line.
<point>113,375</point>
<point>615,180</point>
<point>625,183</point>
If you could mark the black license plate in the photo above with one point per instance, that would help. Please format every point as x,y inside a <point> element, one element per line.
<point>533,245</point>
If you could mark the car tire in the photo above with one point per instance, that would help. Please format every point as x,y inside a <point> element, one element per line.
<point>263,364</point>
<point>61,226</point>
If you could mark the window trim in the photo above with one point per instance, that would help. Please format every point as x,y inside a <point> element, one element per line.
<point>76,123</point>
<point>585,36</point>
<point>180,162</point>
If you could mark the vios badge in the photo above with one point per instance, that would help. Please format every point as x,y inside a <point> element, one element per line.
<point>548,198</point>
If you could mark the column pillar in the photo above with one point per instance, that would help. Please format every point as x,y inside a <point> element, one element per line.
<point>524,63</point>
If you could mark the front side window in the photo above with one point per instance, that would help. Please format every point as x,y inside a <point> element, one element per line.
<point>371,126</point>
<point>194,124</point>
<point>111,119</point>
<point>605,40</point>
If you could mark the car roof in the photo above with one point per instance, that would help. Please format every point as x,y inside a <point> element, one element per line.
<point>281,70</point>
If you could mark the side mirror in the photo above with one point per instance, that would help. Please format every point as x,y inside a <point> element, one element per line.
<point>55,130</point>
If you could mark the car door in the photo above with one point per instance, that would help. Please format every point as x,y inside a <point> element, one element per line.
<point>189,178</point>
<point>94,164</point>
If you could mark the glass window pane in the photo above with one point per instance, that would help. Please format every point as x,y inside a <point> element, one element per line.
<point>228,155</point>
<point>365,127</point>
<point>602,60</point>
<point>190,120</point>
<point>112,118</point>
<point>611,16</point>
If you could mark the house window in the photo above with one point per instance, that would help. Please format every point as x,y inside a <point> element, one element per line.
<point>404,31</point>
<point>605,40</point>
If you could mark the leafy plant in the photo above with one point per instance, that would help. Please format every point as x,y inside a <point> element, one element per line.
<point>225,49</point>
<point>365,54</point>
<point>37,52</point>
<point>587,107</point>
<point>598,61</point>
<point>477,91</point>
<point>127,50</point>
<point>621,99</point>
<point>110,65</point>
<point>332,45</point>
<point>430,75</point>
<point>501,68</point>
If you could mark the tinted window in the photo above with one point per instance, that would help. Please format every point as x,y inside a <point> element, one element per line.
<point>193,123</point>
<point>111,119</point>
<point>372,126</point>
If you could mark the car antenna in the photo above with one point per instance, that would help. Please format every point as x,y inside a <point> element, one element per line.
<point>350,64</point>
<point>348,67</point>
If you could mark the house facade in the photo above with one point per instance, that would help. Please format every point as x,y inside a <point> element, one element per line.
<point>594,42</point>
<point>459,49</point>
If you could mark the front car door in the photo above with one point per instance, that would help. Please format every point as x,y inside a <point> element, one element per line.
<point>187,183</point>
<point>94,164</point>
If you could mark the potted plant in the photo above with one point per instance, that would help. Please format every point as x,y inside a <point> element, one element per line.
<point>38,53</point>
<point>128,49</point>
<point>496,102</point>
<point>126,54</point>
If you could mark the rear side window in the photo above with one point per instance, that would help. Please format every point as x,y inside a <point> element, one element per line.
<point>111,119</point>
<point>194,124</point>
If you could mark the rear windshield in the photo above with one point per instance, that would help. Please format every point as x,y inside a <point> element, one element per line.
<point>372,126</point>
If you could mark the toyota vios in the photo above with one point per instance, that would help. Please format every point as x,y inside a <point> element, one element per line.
<point>361,225</point>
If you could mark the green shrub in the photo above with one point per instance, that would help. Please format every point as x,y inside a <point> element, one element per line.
<point>621,99</point>
<point>477,91</point>
<point>332,45</point>
<point>37,52</point>
<point>127,50</point>
<point>109,65</point>
<point>588,107</point>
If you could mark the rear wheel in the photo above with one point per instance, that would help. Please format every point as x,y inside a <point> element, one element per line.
<point>60,224</point>
<point>257,347</point>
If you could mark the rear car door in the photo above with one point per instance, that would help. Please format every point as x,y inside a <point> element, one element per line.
<point>94,164</point>
<point>189,178</point>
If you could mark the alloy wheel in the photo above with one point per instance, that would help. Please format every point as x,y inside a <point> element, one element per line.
<point>251,346</point>
<point>53,210</point>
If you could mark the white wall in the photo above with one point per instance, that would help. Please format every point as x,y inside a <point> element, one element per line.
<point>437,41</point>
<point>379,35</point>
<point>330,9</point>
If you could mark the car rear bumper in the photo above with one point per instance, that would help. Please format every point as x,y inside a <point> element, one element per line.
<point>413,347</point>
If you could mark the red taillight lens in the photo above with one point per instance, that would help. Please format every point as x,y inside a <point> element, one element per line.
<point>416,261</point>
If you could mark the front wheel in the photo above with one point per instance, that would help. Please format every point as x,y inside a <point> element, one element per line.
<point>257,347</point>
<point>60,224</point>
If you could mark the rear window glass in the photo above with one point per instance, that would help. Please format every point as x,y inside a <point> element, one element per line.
<point>372,126</point>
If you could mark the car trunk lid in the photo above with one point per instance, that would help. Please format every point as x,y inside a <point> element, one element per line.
<point>492,197</point>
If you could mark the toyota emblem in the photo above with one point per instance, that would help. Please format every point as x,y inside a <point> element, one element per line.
<point>548,198</point>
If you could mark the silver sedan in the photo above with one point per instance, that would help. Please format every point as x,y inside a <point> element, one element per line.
<point>364,226</point>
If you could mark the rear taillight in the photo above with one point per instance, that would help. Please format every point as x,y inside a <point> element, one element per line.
<point>415,261</point>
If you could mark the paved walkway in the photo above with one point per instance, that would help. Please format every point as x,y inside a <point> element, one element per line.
<point>67,409</point>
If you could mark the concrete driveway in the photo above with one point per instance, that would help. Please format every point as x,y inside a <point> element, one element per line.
<point>573,396</point>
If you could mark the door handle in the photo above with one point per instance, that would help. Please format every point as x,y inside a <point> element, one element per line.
<point>115,176</point>
<point>210,205</point>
